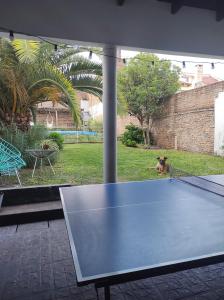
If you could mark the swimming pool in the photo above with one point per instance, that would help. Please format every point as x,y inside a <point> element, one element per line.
<point>75,132</point>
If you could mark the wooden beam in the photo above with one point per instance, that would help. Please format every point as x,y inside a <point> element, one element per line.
<point>120,2</point>
<point>219,10</point>
<point>176,6</point>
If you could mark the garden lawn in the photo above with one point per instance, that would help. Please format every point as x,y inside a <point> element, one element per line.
<point>83,164</point>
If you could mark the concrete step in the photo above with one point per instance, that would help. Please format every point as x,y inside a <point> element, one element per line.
<point>32,212</point>
<point>14,196</point>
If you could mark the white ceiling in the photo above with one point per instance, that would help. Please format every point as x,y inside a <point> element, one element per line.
<point>139,24</point>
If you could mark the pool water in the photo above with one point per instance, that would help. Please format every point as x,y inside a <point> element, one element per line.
<point>75,132</point>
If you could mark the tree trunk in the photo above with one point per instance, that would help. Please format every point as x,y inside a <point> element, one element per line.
<point>142,127</point>
<point>147,132</point>
<point>21,120</point>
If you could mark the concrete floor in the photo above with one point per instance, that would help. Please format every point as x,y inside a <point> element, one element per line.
<point>36,264</point>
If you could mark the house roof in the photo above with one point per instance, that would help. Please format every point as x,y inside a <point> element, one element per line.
<point>48,106</point>
<point>208,79</point>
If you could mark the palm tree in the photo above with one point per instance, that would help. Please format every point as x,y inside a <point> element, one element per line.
<point>86,75</point>
<point>32,72</point>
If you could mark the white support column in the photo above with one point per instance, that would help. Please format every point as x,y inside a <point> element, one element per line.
<point>109,114</point>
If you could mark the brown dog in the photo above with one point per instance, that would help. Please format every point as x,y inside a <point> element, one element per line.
<point>162,167</point>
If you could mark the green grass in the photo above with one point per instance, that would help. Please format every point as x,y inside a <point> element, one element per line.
<point>82,164</point>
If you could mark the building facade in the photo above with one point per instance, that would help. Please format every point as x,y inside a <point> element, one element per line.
<point>196,79</point>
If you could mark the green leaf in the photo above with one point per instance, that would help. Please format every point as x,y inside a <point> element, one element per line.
<point>26,51</point>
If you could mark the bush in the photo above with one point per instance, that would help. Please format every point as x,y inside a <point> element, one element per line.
<point>57,138</point>
<point>132,136</point>
<point>130,143</point>
<point>24,140</point>
<point>95,125</point>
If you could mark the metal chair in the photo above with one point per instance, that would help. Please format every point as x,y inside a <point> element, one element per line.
<point>10,160</point>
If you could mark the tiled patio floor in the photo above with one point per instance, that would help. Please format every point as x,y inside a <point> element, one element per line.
<point>36,264</point>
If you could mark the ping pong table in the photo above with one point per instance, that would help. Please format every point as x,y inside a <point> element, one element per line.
<point>128,231</point>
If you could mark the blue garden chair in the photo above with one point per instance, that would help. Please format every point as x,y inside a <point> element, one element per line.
<point>10,160</point>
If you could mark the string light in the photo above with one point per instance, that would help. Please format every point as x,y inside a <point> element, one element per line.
<point>11,37</point>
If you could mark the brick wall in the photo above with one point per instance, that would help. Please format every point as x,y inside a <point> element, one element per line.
<point>187,122</point>
<point>123,121</point>
<point>64,120</point>
<point>61,119</point>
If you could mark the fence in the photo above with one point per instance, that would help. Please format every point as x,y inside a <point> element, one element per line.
<point>80,136</point>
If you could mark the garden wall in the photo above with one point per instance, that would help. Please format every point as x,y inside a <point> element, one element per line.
<point>123,121</point>
<point>187,122</point>
<point>60,119</point>
<point>63,119</point>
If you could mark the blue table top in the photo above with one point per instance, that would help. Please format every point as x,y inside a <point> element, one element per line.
<point>125,227</point>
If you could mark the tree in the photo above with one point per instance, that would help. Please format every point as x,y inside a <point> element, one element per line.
<point>32,72</point>
<point>144,85</point>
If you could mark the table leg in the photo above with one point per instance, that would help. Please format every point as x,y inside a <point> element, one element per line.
<point>107,292</point>
<point>34,168</point>
<point>51,165</point>
<point>41,165</point>
<point>17,174</point>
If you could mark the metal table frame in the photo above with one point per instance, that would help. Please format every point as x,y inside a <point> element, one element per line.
<point>41,157</point>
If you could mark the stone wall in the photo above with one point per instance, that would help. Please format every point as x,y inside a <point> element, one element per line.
<point>187,122</point>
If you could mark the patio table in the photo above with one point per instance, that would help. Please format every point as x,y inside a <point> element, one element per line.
<point>41,154</point>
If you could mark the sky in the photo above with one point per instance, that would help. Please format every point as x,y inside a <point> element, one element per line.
<point>217,72</point>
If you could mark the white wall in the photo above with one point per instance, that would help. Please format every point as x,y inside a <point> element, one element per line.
<point>219,124</point>
<point>139,24</point>
<point>84,104</point>
<point>96,110</point>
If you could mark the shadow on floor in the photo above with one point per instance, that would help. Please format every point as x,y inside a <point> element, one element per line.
<point>36,264</point>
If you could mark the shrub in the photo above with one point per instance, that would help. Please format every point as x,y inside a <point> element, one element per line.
<point>130,143</point>
<point>132,136</point>
<point>96,125</point>
<point>57,138</point>
<point>24,140</point>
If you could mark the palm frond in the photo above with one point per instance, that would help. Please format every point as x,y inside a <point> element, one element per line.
<point>33,111</point>
<point>7,54</point>
<point>32,72</point>
<point>84,66</point>
<point>26,51</point>
<point>48,93</point>
<point>65,56</point>
<point>89,84</point>
<point>49,75</point>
